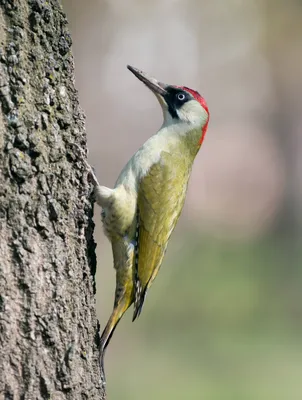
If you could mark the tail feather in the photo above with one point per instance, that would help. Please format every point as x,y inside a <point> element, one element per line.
<point>139,302</point>
<point>107,334</point>
<point>110,327</point>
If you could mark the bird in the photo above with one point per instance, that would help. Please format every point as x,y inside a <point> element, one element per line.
<point>141,211</point>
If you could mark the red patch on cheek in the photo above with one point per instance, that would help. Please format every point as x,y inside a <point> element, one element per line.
<point>203,103</point>
<point>204,131</point>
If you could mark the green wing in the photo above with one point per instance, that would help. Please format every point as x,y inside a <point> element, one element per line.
<point>160,201</point>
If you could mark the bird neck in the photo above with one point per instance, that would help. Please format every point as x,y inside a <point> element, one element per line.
<point>182,137</point>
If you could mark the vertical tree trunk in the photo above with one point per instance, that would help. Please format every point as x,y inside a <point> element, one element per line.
<point>48,324</point>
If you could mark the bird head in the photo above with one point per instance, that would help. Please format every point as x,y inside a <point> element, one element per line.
<point>180,104</point>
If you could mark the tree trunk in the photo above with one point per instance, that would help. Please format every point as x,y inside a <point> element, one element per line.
<point>48,325</point>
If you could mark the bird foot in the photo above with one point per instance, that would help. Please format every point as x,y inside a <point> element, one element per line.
<point>89,168</point>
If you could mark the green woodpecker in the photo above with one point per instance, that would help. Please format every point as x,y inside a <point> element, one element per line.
<point>140,213</point>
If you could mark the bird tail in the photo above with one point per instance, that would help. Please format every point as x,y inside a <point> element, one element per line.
<point>107,333</point>
<point>140,298</point>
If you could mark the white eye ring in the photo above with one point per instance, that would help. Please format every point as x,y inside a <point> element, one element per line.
<point>181,96</point>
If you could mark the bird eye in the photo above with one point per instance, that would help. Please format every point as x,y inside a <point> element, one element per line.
<point>181,96</point>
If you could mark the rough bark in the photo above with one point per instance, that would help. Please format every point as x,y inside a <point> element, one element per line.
<point>48,324</point>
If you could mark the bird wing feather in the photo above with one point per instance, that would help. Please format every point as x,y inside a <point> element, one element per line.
<point>160,201</point>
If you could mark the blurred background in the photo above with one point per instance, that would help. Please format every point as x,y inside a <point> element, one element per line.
<point>223,319</point>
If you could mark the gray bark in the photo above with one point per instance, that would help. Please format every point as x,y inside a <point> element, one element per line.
<point>48,325</point>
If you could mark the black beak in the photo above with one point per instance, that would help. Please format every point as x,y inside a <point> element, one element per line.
<point>151,83</point>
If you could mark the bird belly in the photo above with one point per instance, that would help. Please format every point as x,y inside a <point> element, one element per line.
<point>119,216</point>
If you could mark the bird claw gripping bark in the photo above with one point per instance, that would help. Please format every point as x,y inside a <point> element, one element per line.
<point>89,168</point>
<point>91,173</point>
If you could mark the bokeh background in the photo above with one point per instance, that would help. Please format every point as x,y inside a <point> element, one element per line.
<point>223,320</point>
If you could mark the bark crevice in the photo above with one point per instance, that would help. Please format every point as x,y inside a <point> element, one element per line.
<point>48,325</point>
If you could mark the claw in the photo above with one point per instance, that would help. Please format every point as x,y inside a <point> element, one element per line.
<point>92,175</point>
<point>89,168</point>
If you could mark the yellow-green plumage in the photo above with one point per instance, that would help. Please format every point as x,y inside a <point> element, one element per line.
<point>139,224</point>
<point>140,213</point>
<point>160,201</point>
